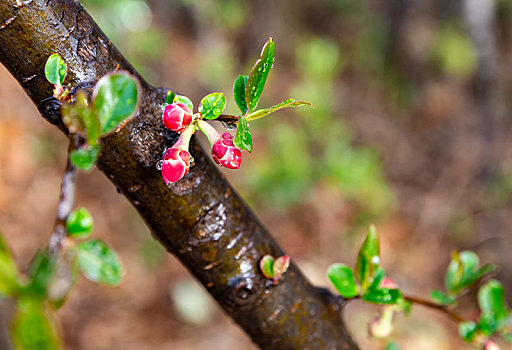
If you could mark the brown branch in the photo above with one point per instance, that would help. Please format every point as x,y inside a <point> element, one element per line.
<point>200,219</point>
<point>442,308</point>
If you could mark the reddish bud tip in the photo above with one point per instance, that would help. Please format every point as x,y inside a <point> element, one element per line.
<point>225,152</point>
<point>388,283</point>
<point>491,345</point>
<point>176,163</point>
<point>177,117</point>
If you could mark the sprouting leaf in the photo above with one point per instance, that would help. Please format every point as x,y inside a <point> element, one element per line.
<point>267,266</point>
<point>441,297</point>
<point>170,97</point>
<point>40,272</point>
<point>64,277</point>
<point>343,279</point>
<point>212,105</point>
<point>9,277</point>
<point>243,138</point>
<point>33,327</point>
<point>259,74</point>
<point>280,266</point>
<point>79,118</point>
<point>377,279</point>
<point>115,99</point>
<point>491,299</point>
<point>55,69</point>
<point>239,92</point>
<point>368,259</point>
<point>462,271</point>
<point>260,113</point>
<point>85,157</point>
<point>185,100</point>
<point>79,223</point>
<point>99,263</point>
<point>383,296</point>
<point>467,330</point>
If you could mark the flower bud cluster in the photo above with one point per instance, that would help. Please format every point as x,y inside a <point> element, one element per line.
<point>176,160</point>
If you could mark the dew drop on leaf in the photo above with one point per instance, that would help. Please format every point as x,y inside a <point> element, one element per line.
<point>159,164</point>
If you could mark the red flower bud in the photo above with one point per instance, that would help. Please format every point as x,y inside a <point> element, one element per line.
<point>225,153</point>
<point>389,283</point>
<point>176,163</point>
<point>491,345</point>
<point>177,117</point>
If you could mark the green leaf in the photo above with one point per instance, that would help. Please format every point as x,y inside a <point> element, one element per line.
<point>441,297</point>
<point>79,118</point>
<point>383,296</point>
<point>467,330</point>
<point>259,74</point>
<point>260,113</point>
<point>462,271</point>
<point>491,299</point>
<point>392,346</point>
<point>115,99</point>
<point>368,259</point>
<point>212,105</point>
<point>377,279</point>
<point>185,100</point>
<point>487,324</point>
<point>99,263</point>
<point>33,328</point>
<point>239,92</point>
<point>243,138</point>
<point>85,157</point>
<point>280,266</point>
<point>266,266</point>
<point>9,276</point>
<point>170,97</point>
<point>79,223</point>
<point>55,69</point>
<point>343,279</point>
<point>40,272</point>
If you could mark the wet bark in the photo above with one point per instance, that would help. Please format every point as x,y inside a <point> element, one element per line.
<point>200,219</point>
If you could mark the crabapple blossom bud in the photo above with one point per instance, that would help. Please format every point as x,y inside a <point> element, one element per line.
<point>388,283</point>
<point>176,163</point>
<point>177,117</point>
<point>491,345</point>
<point>225,153</point>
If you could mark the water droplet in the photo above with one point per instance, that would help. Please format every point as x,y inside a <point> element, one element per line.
<point>229,126</point>
<point>159,164</point>
<point>214,104</point>
<point>259,69</point>
<point>253,88</point>
<point>191,159</point>
<point>217,111</point>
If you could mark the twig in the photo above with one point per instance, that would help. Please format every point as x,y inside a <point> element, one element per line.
<point>443,308</point>
<point>66,199</point>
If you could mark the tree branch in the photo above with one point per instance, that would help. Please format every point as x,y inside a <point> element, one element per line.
<point>200,219</point>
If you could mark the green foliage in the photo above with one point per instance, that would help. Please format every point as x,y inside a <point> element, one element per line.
<point>239,87</point>
<point>9,277</point>
<point>463,271</point>
<point>170,97</point>
<point>79,118</point>
<point>259,74</point>
<point>267,266</point>
<point>243,138</point>
<point>99,263</point>
<point>274,268</point>
<point>467,330</point>
<point>383,296</point>
<point>185,100</point>
<point>79,223</point>
<point>212,105</point>
<point>285,104</point>
<point>491,299</point>
<point>33,328</point>
<point>115,99</point>
<point>55,69</point>
<point>368,259</point>
<point>342,277</point>
<point>84,157</point>
<point>41,272</point>
<point>392,346</point>
<point>442,298</point>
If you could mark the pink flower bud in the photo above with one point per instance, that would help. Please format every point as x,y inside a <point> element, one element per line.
<point>491,345</point>
<point>176,163</point>
<point>225,153</point>
<point>388,283</point>
<point>177,117</point>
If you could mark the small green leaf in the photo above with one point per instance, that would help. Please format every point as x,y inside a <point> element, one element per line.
<point>33,327</point>
<point>9,276</point>
<point>79,223</point>
<point>383,296</point>
<point>280,266</point>
<point>487,324</point>
<point>491,299</point>
<point>65,276</point>
<point>243,138</point>
<point>342,277</point>
<point>486,270</point>
<point>79,118</point>
<point>467,330</point>
<point>40,272</point>
<point>441,297</point>
<point>115,99</point>
<point>260,113</point>
<point>212,105</point>
<point>85,157</point>
<point>392,346</point>
<point>259,74</point>
<point>239,92</point>
<point>55,69</point>
<point>185,100</point>
<point>368,259</point>
<point>377,279</point>
<point>99,263</point>
<point>462,271</point>
<point>266,266</point>
<point>170,97</point>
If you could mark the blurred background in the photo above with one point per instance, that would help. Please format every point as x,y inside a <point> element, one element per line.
<point>411,132</point>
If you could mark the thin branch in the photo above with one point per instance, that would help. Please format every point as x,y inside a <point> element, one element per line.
<point>442,308</point>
